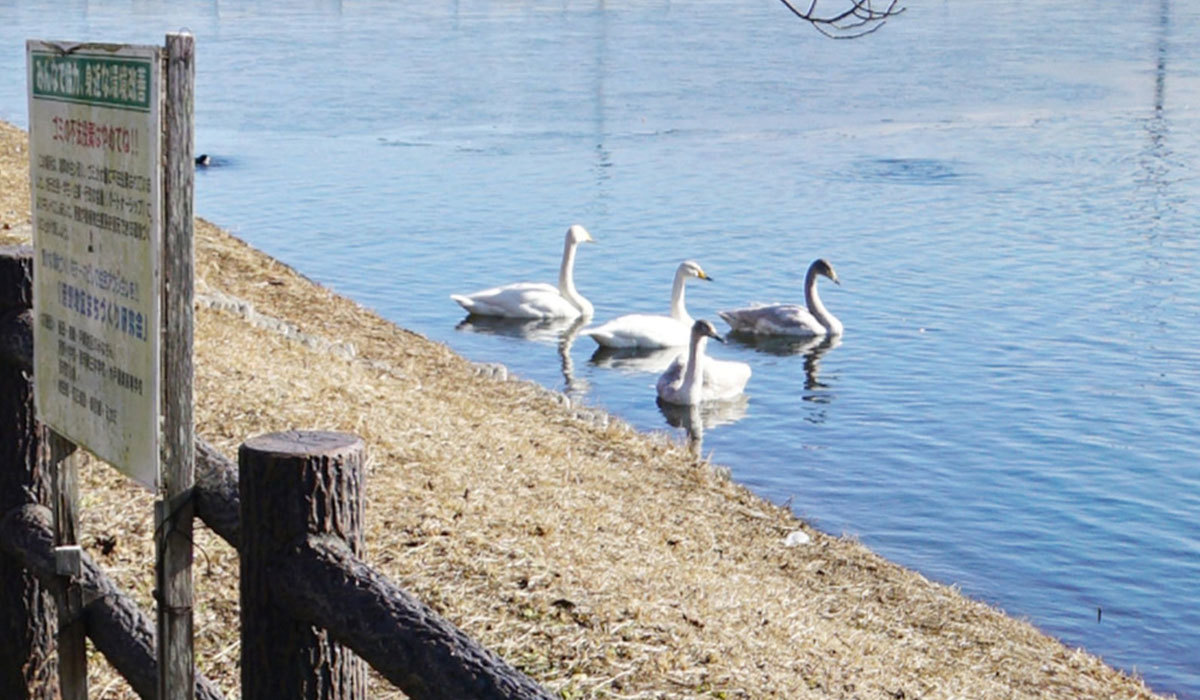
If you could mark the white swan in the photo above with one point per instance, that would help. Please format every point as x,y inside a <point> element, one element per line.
<point>790,319</point>
<point>653,330</point>
<point>536,299</point>
<point>699,377</point>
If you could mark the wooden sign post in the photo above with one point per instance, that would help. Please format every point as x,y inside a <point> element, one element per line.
<point>111,169</point>
<point>173,514</point>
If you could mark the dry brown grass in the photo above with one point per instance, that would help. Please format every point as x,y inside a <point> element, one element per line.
<point>603,562</point>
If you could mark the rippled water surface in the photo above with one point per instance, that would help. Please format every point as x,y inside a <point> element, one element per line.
<point>1009,194</point>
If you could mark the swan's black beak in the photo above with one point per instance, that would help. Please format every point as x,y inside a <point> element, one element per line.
<point>702,328</point>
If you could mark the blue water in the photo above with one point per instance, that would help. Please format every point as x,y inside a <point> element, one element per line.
<point>1008,191</point>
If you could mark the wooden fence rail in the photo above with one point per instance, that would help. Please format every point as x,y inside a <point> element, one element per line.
<point>405,641</point>
<point>316,578</point>
<point>116,625</point>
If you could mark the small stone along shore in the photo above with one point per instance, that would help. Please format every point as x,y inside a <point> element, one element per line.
<point>601,561</point>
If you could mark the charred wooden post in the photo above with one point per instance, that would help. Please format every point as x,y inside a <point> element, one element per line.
<point>116,625</point>
<point>293,485</point>
<point>16,304</point>
<point>27,616</point>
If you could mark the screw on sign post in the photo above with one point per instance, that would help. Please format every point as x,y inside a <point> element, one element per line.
<point>111,175</point>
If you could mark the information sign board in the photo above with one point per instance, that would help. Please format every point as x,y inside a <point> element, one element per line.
<point>95,163</point>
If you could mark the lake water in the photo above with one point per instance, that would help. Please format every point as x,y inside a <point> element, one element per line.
<point>1008,191</point>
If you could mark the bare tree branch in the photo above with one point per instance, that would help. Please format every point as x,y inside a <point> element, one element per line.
<point>860,19</point>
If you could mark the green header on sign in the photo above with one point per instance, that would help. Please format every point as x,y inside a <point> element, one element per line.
<point>123,83</point>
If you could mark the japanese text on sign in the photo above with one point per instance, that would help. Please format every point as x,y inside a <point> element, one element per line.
<point>95,175</point>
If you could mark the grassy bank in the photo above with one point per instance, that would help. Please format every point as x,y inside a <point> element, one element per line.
<point>602,561</point>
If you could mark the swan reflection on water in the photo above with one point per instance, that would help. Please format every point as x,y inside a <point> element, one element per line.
<point>561,332</point>
<point>634,360</point>
<point>542,330</point>
<point>697,418</point>
<point>813,350</point>
<point>782,345</point>
<point>707,415</point>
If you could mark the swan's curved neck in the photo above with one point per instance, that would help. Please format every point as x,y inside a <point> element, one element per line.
<point>678,310</point>
<point>566,280</point>
<point>813,300</point>
<point>693,377</point>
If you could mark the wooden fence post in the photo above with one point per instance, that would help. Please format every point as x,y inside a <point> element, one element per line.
<point>291,485</point>
<point>27,610</point>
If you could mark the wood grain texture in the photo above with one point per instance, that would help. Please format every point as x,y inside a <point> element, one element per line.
<point>293,485</point>
<point>28,619</point>
<point>173,524</point>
